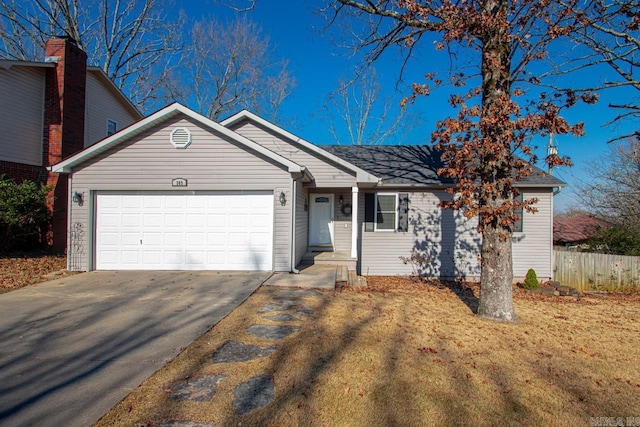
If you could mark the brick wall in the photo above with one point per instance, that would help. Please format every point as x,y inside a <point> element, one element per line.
<point>20,172</point>
<point>63,124</point>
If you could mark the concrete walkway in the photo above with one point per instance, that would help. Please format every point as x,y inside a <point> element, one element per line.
<point>313,277</point>
<point>73,347</point>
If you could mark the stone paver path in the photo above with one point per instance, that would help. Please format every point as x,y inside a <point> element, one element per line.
<point>235,351</point>
<point>196,389</point>
<point>281,317</point>
<point>253,394</point>
<point>272,332</point>
<point>258,391</point>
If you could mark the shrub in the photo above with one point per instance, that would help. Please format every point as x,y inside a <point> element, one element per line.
<point>23,213</point>
<point>616,240</point>
<point>531,280</point>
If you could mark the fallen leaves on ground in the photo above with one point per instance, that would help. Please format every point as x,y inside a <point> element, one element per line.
<point>23,269</point>
<point>402,353</point>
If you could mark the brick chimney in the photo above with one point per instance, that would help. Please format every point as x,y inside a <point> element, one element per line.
<point>63,123</point>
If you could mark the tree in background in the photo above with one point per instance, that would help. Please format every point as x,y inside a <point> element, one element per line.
<point>613,190</point>
<point>609,32</point>
<point>499,109</point>
<point>229,67</point>
<point>134,42</point>
<point>153,56</point>
<point>365,118</point>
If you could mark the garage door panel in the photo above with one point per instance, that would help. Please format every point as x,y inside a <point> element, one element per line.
<point>131,203</point>
<point>173,257</point>
<point>152,220</point>
<point>172,240</point>
<point>173,220</point>
<point>185,231</point>
<point>195,220</point>
<point>239,220</point>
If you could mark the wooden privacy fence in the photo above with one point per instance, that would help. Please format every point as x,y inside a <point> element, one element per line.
<point>587,271</point>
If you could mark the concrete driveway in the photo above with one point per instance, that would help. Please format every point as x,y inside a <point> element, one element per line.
<point>72,348</point>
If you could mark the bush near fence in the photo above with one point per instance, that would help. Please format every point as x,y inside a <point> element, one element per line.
<point>587,271</point>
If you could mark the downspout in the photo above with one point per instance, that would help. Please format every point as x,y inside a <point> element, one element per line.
<point>294,198</point>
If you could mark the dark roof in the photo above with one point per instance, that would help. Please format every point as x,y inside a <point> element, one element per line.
<point>577,229</point>
<point>395,164</point>
<point>413,164</point>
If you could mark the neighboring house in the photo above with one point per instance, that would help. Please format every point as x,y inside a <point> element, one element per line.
<point>577,230</point>
<point>51,110</point>
<point>179,191</point>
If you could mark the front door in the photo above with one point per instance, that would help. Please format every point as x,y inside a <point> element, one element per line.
<point>321,221</point>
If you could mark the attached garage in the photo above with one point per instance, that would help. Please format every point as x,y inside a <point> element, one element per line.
<point>201,231</point>
<point>177,191</point>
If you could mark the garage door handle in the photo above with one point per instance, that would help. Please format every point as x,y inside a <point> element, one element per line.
<point>140,241</point>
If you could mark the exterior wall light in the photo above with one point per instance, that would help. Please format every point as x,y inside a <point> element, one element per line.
<point>283,198</point>
<point>341,200</point>
<point>78,198</point>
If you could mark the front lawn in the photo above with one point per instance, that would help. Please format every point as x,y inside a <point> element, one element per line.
<point>18,270</point>
<point>411,355</point>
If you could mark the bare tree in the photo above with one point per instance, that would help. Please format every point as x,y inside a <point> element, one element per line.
<point>484,145</point>
<point>132,41</point>
<point>609,32</point>
<point>613,192</point>
<point>230,67</point>
<point>365,117</point>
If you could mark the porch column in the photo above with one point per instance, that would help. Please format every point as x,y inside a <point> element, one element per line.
<point>354,222</point>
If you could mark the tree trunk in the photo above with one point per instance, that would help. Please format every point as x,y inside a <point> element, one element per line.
<point>496,299</point>
<point>496,277</point>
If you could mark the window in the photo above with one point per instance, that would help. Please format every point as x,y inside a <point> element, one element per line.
<point>112,127</point>
<point>386,212</point>
<point>517,226</point>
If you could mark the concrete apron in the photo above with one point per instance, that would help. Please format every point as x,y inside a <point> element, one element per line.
<point>74,347</point>
<point>314,277</point>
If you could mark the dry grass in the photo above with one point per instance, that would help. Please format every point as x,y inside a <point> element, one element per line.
<point>405,354</point>
<point>18,270</point>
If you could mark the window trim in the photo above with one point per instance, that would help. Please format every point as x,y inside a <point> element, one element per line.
<point>395,213</point>
<point>520,213</point>
<point>115,126</point>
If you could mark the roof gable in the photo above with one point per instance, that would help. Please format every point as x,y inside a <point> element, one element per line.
<point>66,166</point>
<point>362,176</point>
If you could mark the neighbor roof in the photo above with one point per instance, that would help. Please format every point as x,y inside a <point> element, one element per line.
<point>577,229</point>
<point>414,165</point>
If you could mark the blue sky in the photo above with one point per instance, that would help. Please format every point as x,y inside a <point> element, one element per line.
<point>296,32</point>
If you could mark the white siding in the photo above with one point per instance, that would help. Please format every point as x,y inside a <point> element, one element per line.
<point>302,221</point>
<point>449,243</point>
<point>446,241</point>
<point>103,104</point>
<point>342,222</point>
<point>22,114</point>
<point>149,162</point>
<point>533,248</point>
<point>325,173</point>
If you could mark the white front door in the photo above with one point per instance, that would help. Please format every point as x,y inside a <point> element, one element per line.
<point>321,221</point>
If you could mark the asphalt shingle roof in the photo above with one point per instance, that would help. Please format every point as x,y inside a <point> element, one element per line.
<point>413,164</point>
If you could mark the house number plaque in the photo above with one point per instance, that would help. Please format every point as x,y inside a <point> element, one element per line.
<point>179,182</point>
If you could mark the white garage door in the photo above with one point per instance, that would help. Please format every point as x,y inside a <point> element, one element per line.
<point>184,231</point>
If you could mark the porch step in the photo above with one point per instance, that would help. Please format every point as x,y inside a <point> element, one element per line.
<point>353,279</point>
<point>342,276</point>
<point>329,258</point>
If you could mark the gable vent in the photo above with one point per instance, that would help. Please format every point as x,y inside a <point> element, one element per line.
<point>180,137</point>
